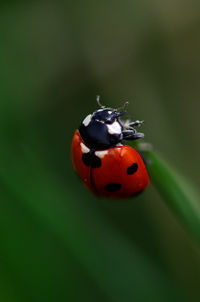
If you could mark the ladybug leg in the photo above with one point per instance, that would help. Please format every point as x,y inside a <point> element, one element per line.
<point>144,147</point>
<point>129,133</point>
<point>145,159</point>
<point>130,125</point>
<point>136,123</point>
<point>132,134</point>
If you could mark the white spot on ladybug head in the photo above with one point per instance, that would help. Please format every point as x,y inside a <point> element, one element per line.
<point>114,128</point>
<point>87,120</point>
<point>100,121</point>
<point>109,112</point>
<point>84,149</point>
<point>101,154</point>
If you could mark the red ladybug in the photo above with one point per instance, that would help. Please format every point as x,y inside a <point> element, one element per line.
<point>107,167</point>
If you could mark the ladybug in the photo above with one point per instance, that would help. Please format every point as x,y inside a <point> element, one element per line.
<point>106,166</point>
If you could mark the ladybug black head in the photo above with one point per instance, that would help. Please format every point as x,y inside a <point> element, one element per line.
<point>106,115</point>
<point>102,129</point>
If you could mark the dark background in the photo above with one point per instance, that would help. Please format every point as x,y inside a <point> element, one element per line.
<point>57,241</point>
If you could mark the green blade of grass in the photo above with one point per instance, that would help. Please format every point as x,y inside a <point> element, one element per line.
<point>178,194</point>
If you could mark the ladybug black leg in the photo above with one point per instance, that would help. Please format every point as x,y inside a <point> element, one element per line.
<point>136,123</point>
<point>144,147</point>
<point>132,134</point>
<point>146,160</point>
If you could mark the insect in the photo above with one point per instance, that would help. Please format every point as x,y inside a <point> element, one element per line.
<point>106,166</point>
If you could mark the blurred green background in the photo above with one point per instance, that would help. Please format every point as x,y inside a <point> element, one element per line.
<point>58,242</point>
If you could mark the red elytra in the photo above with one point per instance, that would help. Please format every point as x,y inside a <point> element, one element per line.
<point>122,172</point>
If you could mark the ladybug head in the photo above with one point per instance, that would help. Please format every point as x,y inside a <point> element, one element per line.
<point>102,129</point>
<point>107,115</point>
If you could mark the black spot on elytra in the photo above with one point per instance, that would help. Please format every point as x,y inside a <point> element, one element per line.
<point>86,159</point>
<point>132,169</point>
<point>113,187</point>
<point>91,160</point>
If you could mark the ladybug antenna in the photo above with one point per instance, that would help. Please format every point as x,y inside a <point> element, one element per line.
<point>120,111</point>
<point>98,102</point>
<point>123,107</point>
